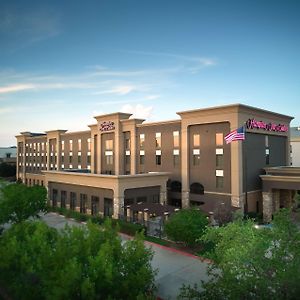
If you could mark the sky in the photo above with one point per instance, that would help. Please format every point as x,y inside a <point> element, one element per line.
<point>63,62</point>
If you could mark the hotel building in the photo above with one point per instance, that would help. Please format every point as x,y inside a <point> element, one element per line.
<point>121,160</point>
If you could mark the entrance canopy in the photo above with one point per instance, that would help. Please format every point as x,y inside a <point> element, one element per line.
<point>281,178</point>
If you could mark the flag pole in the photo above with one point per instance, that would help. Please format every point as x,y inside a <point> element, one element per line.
<point>245,173</point>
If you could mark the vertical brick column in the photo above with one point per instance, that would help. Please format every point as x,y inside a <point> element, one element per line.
<point>267,206</point>
<point>276,199</point>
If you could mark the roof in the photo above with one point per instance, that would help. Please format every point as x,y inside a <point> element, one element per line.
<point>238,106</point>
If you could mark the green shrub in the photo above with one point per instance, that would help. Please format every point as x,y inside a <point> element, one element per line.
<point>186,226</point>
<point>128,228</point>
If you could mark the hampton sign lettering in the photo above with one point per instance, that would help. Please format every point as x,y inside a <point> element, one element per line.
<point>107,126</point>
<point>254,124</point>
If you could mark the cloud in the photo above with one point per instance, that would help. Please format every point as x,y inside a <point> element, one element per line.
<point>152,97</point>
<point>118,90</point>
<point>138,111</point>
<point>4,110</point>
<point>190,63</point>
<point>16,88</point>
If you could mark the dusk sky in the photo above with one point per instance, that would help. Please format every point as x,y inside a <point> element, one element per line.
<point>63,62</point>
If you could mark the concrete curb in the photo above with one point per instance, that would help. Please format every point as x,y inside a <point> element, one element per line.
<point>203,259</point>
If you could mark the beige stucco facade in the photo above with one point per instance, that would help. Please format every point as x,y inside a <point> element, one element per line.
<point>120,153</point>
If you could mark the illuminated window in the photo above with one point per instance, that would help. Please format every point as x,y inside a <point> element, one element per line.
<point>219,139</point>
<point>62,145</point>
<point>89,144</point>
<point>158,140</point>
<point>108,144</point>
<point>176,139</point>
<point>196,140</point>
<point>142,140</point>
<point>79,145</point>
<point>71,145</point>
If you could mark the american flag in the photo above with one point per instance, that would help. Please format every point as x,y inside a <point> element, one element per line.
<point>235,135</point>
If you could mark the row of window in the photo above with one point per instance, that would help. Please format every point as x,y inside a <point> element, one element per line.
<point>73,202</point>
<point>42,146</point>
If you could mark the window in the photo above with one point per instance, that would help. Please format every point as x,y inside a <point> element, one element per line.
<point>219,178</point>
<point>196,140</point>
<point>158,140</point>
<point>109,157</point>
<point>89,159</point>
<point>71,145</point>
<point>176,139</point>
<point>62,145</point>
<point>83,203</point>
<point>158,160</point>
<point>79,159</point>
<point>176,158</point>
<point>267,156</point>
<point>127,144</point>
<point>63,199</point>
<point>127,159</point>
<point>197,188</point>
<point>158,157</point>
<point>108,144</point>
<point>8,155</point>
<point>142,157</point>
<point>62,158</point>
<point>266,141</point>
<point>54,197</point>
<point>70,158</point>
<point>89,144</point>
<point>196,157</point>
<point>73,200</point>
<point>142,140</point>
<point>219,182</point>
<point>219,160</point>
<point>79,145</point>
<point>219,139</point>
<point>95,205</point>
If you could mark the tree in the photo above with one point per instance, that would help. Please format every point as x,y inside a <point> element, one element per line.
<point>19,202</point>
<point>7,170</point>
<point>253,263</point>
<point>187,225</point>
<point>38,262</point>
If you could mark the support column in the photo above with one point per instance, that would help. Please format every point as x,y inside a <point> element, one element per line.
<point>185,178</point>
<point>98,154</point>
<point>276,199</point>
<point>48,154</point>
<point>267,206</point>
<point>163,194</point>
<point>185,199</point>
<point>286,197</point>
<point>118,203</point>
<point>133,151</point>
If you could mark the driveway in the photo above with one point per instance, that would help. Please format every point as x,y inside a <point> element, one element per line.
<point>174,267</point>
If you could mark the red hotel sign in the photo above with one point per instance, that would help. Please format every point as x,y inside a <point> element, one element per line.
<point>252,124</point>
<point>107,126</point>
